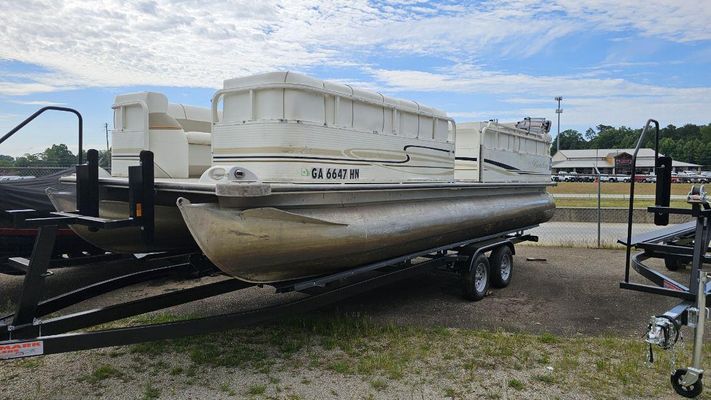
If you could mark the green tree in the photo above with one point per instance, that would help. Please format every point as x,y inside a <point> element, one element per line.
<point>28,160</point>
<point>59,154</point>
<point>6,161</point>
<point>570,139</point>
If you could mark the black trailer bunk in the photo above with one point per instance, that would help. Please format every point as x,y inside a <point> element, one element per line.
<point>676,245</point>
<point>29,332</point>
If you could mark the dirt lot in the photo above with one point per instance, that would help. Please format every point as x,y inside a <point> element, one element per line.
<point>562,329</point>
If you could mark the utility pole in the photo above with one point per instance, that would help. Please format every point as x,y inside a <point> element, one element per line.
<point>106,130</point>
<point>558,111</point>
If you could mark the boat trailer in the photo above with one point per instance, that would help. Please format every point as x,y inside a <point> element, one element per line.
<point>676,245</point>
<point>31,331</point>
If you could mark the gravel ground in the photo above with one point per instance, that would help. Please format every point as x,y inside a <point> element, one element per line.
<point>572,293</point>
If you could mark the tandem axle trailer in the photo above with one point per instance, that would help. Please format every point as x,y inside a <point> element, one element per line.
<point>30,331</point>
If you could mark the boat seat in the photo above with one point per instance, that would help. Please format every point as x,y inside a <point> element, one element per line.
<point>198,138</point>
<point>146,121</point>
<point>199,152</point>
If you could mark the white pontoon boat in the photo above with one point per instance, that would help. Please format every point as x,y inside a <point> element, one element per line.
<point>288,177</point>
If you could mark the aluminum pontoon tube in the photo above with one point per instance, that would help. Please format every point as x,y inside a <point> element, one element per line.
<point>268,244</point>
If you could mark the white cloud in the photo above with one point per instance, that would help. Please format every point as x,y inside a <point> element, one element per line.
<point>681,21</point>
<point>193,43</point>
<point>587,101</point>
<point>24,88</point>
<point>37,103</point>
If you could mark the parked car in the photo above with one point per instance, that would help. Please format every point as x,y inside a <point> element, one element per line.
<point>615,178</point>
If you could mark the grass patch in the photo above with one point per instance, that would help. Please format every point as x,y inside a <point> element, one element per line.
<point>547,338</point>
<point>516,384</point>
<point>548,379</point>
<point>102,373</point>
<point>255,390</point>
<point>225,388</point>
<point>150,392</point>
<point>30,363</point>
<point>378,384</point>
<point>341,367</point>
<point>596,367</point>
<point>451,393</point>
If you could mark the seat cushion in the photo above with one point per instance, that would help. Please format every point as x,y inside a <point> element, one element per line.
<point>198,138</point>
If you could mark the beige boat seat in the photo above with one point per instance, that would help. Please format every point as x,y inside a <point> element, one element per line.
<point>146,121</point>
<point>199,152</point>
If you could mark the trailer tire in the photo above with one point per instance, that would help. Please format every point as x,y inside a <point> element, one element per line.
<point>501,262</point>
<point>475,278</point>
<point>673,263</point>
<point>690,391</point>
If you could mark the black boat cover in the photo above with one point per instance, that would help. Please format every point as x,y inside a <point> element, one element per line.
<point>30,193</point>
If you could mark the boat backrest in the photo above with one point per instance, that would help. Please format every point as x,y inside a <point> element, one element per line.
<point>178,135</point>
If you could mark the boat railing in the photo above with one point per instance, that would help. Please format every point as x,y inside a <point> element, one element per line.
<point>540,136</point>
<point>40,112</point>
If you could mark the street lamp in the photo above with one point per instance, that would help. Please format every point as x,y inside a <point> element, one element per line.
<point>558,111</point>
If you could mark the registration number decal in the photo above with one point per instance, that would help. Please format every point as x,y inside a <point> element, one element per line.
<point>332,173</point>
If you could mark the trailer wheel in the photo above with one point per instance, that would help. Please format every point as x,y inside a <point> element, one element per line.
<point>501,261</point>
<point>673,263</point>
<point>690,391</point>
<point>476,278</point>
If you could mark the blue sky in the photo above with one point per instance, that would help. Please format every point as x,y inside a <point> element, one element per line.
<point>614,62</point>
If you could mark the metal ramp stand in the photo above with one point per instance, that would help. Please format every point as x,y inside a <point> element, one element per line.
<point>676,244</point>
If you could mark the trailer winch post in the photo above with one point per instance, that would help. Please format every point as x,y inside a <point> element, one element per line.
<point>141,194</point>
<point>88,185</point>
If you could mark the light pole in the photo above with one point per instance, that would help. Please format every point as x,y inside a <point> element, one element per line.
<point>558,111</point>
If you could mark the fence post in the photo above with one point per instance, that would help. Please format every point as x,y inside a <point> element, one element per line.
<point>599,211</point>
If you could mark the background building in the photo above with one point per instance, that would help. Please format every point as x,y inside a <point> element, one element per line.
<point>611,161</point>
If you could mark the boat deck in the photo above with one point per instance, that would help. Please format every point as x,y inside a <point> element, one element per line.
<point>193,185</point>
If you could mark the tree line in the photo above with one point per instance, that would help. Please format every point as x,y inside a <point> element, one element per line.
<point>57,155</point>
<point>689,143</point>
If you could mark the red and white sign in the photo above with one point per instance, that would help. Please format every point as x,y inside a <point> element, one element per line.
<point>21,349</point>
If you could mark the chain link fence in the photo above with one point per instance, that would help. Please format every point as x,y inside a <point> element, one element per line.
<point>19,173</point>
<point>596,225</point>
